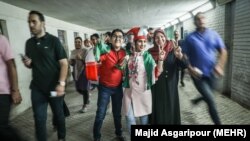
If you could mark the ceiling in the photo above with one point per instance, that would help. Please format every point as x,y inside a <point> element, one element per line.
<point>103,15</point>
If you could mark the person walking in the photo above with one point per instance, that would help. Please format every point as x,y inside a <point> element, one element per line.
<point>46,57</point>
<point>201,47</point>
<point>110,83</point>
<point>77,61</point>
<point>9,90</point>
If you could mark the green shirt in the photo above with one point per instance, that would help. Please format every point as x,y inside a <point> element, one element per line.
<point>45,53</point>
<point>149,64</point>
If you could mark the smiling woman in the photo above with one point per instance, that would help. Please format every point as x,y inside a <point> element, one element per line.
<point>141,73</point>
<point>165,96</point>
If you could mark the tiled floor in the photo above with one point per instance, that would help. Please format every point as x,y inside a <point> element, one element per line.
<point>79,126</point>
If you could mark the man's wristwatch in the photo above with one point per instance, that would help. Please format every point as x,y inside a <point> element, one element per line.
<point>62,83</point>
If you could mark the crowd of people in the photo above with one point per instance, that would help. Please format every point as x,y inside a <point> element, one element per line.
<point>139,75</point>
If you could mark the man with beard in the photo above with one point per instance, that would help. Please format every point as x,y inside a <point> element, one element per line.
<point>47,58</point>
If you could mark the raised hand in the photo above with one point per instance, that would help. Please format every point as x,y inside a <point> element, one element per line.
<point>162,53</point>
<point>161,58</point>
<point>177,52</point>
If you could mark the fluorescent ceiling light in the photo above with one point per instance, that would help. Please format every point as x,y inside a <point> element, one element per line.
<point>163,27</point>
<point>167,25</point>
<point>203,8</point>
<point>174,22</point>
<point>185,17</point>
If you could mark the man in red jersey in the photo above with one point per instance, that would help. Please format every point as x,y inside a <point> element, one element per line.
<point>110,83</point>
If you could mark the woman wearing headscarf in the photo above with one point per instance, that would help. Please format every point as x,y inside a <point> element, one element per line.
<point>165,97</point>
<point>77,61</point>
<point>141,73</point>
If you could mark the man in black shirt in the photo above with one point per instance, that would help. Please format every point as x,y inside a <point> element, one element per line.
<point>47,58</point>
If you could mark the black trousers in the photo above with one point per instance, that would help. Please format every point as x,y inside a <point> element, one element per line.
<point>66,113</point>
<point>7,133</point>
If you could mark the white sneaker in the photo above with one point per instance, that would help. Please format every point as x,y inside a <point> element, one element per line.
<point>83,110</point>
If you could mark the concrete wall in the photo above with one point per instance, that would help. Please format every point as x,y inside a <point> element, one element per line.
<point>18,32</point>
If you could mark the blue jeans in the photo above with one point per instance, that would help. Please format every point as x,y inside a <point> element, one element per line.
<point>104,94</point>
<point>131,120</point>
<point>40,103</point>
<point>206,86</point>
